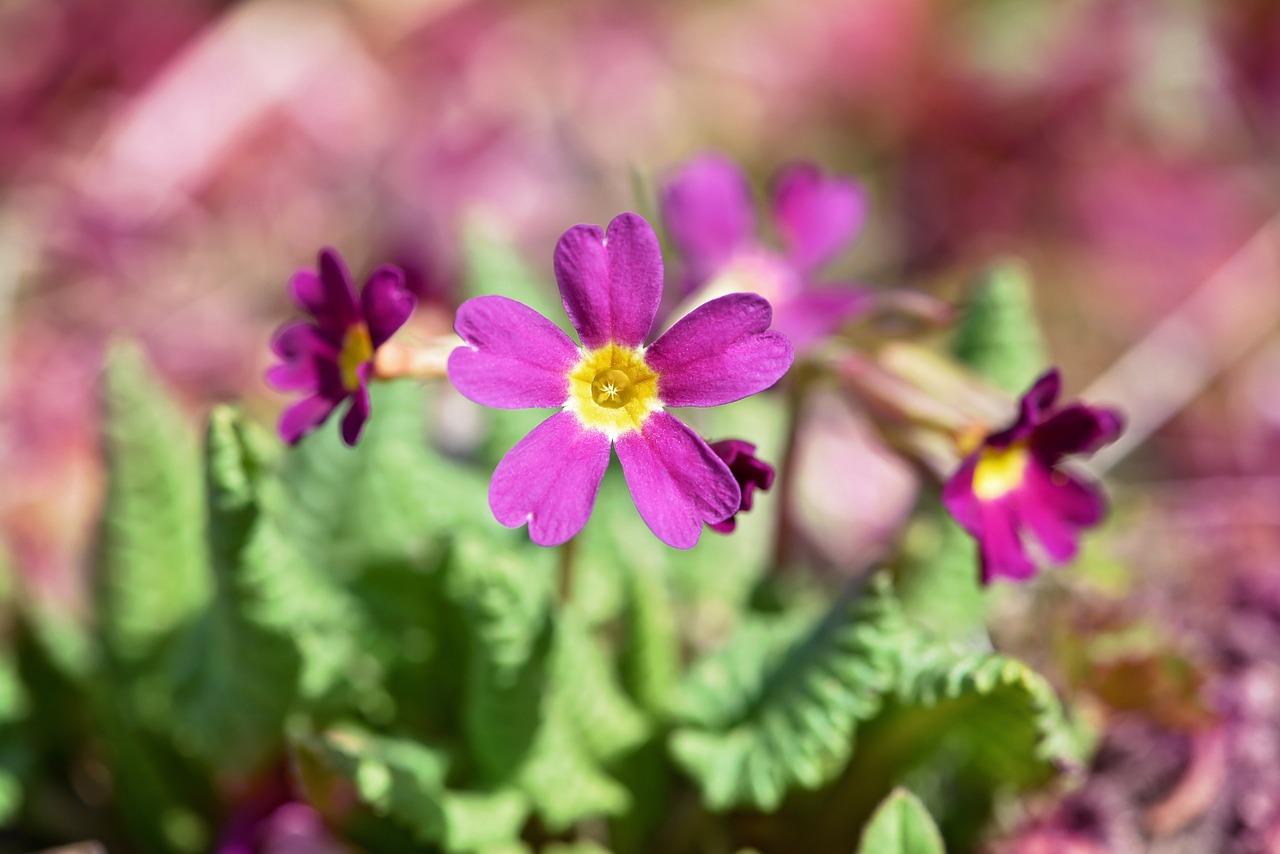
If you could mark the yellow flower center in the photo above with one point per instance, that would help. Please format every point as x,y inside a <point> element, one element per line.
<point>999,471</point>
<point>357,348</point>
<point>613,390</point>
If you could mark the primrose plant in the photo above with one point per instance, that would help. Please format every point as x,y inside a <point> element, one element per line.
<point>334,630</point>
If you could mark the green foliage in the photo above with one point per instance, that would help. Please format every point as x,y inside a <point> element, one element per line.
<point>1000,714</point>
<point>589,724</point>
<point>542,709</point>
<point>231,678</point>
<point>360,535</point>
<point>152,570</point>
<point>470,691</point>
<point>998,336</point>
<point>406,781</point>
<point>651,645</point>
<point>966,725</point>
<point>778,709</point>
<point>901,825</point>
<point>779,706</point>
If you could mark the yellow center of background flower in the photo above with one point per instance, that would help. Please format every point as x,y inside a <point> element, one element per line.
<point>613,390</point>
<point>999,471</point>
<point>357,348</point>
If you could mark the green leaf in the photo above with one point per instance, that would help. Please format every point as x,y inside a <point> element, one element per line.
<point>152,568</point>
<point>965,725</point>
<point>588,724</point>
<point>1000,714</point>
<point>998,335</point>
<point>901,825</point>
<point>779,706</point>
<point>542,708</point>
<point>651,650</point>
<point>231,678</point>
<point>405,780</point>
<point>505,596</point>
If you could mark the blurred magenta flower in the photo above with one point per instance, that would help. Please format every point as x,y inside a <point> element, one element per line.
<point>748,470</point>
<point>331,359</point>
<point>614,390</point>
<point>709,211</point>
<point>1012,486</point>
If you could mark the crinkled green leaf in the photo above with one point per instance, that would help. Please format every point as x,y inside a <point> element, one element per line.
<point>152,567</point>
<point>779,706</point>
<point>998,335</point>
<point>901,825</point>
<point>542,708</point>
<point>231,678</point>
<point>969,724</point>
<point>1000,713</point>
<point>651,648</point>
<point>505,595</point>
<point>404,780</point>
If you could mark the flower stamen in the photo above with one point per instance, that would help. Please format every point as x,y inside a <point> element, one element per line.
<point>999,471</point>
<point>357,348</point>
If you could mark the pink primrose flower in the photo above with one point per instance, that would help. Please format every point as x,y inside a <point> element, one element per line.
<point>330,359</point>
<point>613,390</point>
<point>1011,488</point>
<point>710,213</point>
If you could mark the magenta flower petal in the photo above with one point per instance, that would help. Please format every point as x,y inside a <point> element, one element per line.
<point>387,304</point>
<point>301,347</point>
<point>329,295</point>
<point>816,214</point>
<point>304,416</point>
<point>1077,429</point>
<point>550,479</point>
<point>1000,549</point>
<point>1057,536</point>
<point>1080,503</point>
<point>709,213</point>
<point>356,417</point>
<point>610,282</point>
<point>811,316</point>
<point>676,480</point>
<point>1038,400</point>
<point>514,359</point>
<point>719,353</point>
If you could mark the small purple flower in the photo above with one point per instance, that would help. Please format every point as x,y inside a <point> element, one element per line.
<point>613,390</point>
<point>1012,487</point>
<point>331,358</point>
<point>748,470</point>
<point>710,214</point>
